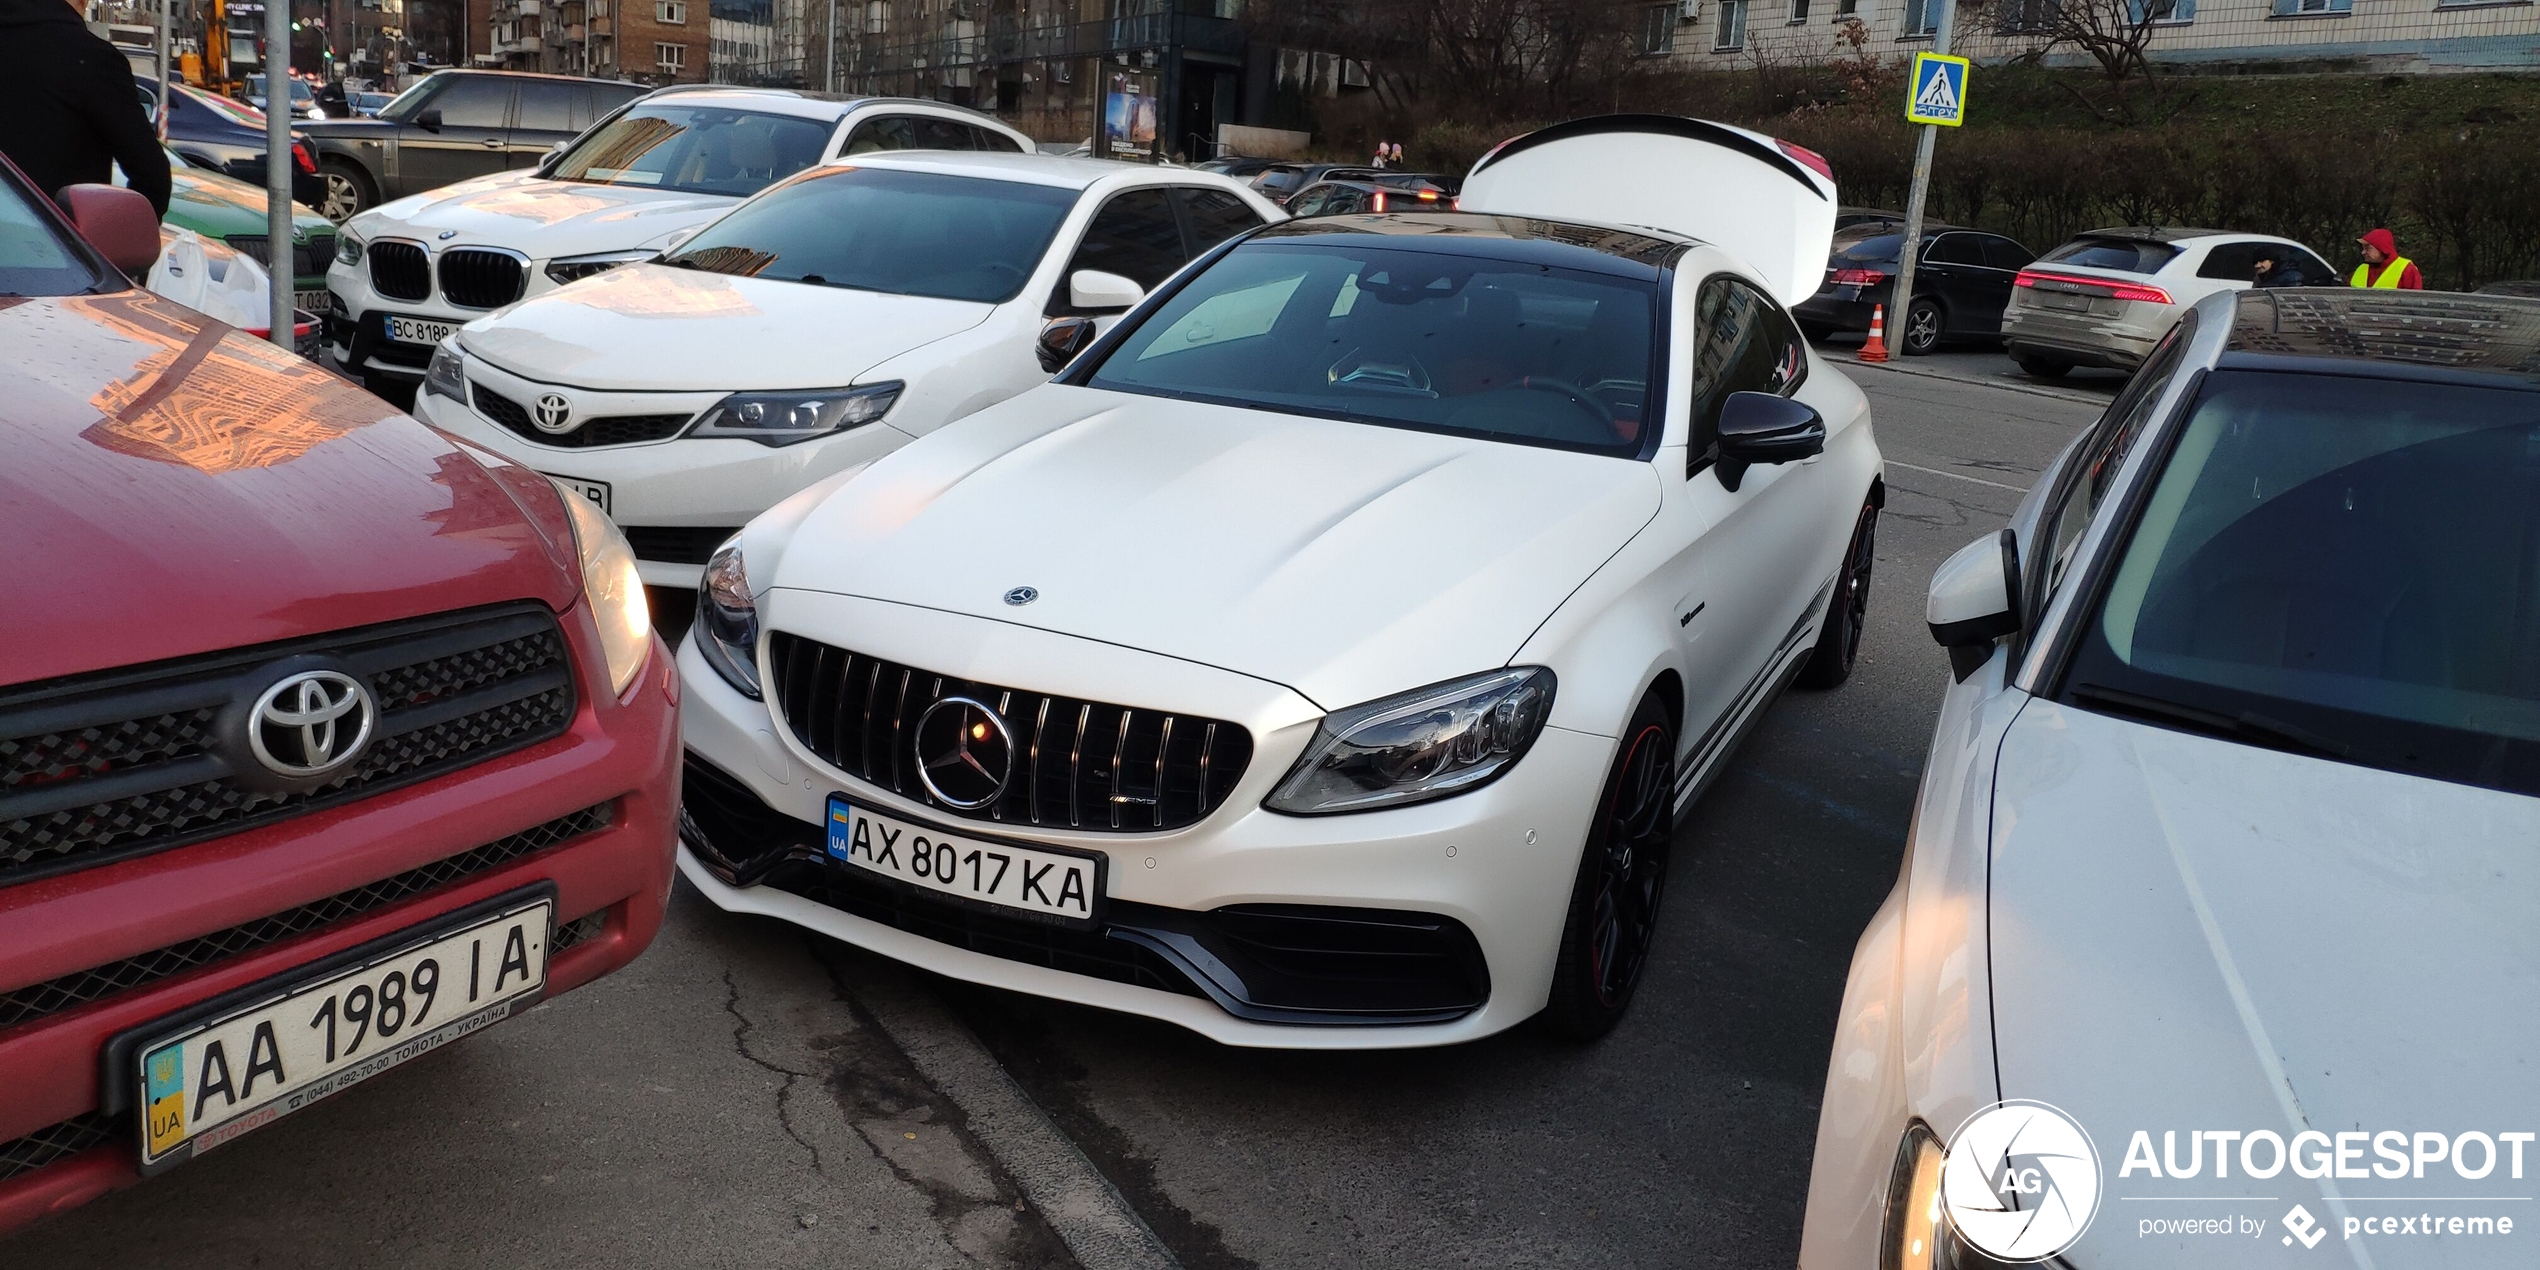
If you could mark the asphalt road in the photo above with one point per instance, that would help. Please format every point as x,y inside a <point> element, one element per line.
<point>748,1096</point>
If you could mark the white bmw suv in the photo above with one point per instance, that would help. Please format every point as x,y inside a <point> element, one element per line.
<point>408,273</point>
<point>817,328</point>
<point>1322,659</point>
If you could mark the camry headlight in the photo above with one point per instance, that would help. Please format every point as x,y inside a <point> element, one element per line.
<point>1914,1231</point>
<point>727,621</point>
<point>566,269</point>
<point>1431,743</point>
<point>447,375</point>
<point>348,249</point>
<point>612,587</point>
<point>783,418</point>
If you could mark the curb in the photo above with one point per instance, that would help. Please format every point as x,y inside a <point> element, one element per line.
<point>2034,390</point>
<point>1079,1203</point>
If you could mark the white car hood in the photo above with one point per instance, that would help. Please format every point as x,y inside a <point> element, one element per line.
<point>2193,934</point>
<point>544,219</point>
<point>1347,561</point>
<point>652,328</point>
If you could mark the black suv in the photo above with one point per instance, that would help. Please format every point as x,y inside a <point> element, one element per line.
<point>452,126</point>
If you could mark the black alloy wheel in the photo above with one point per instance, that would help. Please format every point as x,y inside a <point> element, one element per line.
<point>1848,614</point>
<point>1622,876</point>
<point>1923,325</point>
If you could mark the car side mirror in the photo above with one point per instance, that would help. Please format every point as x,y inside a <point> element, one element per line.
<point>430,120</point>
<point>1101,292</point>
<point>1975,600</point>
<point>1062,339</point>
<point>1759,427</point>
<point>120,224</point>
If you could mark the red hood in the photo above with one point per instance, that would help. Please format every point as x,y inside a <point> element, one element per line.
<point>2382,239</point>
<point>169,486</point>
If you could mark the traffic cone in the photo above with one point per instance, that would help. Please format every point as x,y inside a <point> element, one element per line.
<point>1874,349</point>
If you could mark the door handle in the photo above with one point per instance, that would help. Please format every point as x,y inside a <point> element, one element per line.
<point>492,143</point>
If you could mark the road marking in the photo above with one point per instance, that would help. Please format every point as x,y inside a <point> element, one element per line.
<point>2005,383</point>
<point>1956,476</point>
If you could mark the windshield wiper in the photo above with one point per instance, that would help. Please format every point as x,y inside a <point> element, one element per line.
<point>2246,725</point>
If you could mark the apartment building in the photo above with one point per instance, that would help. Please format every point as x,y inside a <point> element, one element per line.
<point>2380,36</point>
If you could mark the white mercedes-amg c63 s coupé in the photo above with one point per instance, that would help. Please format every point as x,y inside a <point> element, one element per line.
<point>1323,659</point>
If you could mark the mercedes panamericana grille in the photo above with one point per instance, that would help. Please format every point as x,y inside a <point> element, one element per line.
<point>324,740</point>
<point>1324,658</point>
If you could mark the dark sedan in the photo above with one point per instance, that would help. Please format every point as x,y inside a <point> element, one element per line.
<point>452,126</point>
<point>228,137</point>
<point>1960,287</point>
<point>1392,192</point>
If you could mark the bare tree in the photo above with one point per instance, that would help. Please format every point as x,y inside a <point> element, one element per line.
<point>1486,60</point>
<point>2116,35</point>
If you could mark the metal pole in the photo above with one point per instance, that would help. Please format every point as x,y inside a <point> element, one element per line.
<point>164,19</point>
<point>277,69</point>
<point>829,64</point>
<point>1912,247</point>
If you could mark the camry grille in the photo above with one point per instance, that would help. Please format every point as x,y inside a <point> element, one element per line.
<point>1075,764</point>
<point>605,430</point>
<point>476,279</point>
<point>400,271</point>
<point>99,767</point>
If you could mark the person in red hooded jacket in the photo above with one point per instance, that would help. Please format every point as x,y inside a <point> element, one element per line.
<point>2384,267</point>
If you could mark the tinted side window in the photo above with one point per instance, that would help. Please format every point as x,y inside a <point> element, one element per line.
<point>886,132</point>
<point>2002,253</point>
<point>1210,217</point>
<point>1955,249</point>
<point>1741,344</point>
<point>1133,236</point>
<point>474,102</point>
<point>942,134</point>
<point>608,97</point>
<point>547,107</point>
<point>2234,262</point>
<point>1310,203</point>
<point>2085,485</point>
<point>992,140</point>
<point>584,112</point>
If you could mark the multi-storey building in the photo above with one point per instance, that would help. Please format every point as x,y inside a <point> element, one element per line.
<point>2332,35</point>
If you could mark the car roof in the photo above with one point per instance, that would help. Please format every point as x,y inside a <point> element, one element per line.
<point>1036,169</point>
<point>1605,249</point>
<point>2488,339</point>
<point>485,72</point>
<point>2171,234</point>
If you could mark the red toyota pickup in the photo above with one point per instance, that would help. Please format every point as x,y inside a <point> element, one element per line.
<point>324,740</point>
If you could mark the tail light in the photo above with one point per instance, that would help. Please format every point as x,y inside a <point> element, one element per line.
<point>1379,204</point>
<point>2098,288</point>
<point>1860,277</point>
<point>1812,160</point>
<point>1428,196</point>
<point>301,154</point>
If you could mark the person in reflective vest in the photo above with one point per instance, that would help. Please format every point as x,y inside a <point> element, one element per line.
<point>2384,268</point>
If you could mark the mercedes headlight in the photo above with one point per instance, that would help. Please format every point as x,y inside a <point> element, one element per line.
<point>1434,742</point>
<point>1913,1231</point>
<point>727,621</point>
<point>447,375</point>
<point>612,587</point>
<point>564,269</point>
<point>348,249</point>
<point>783,418</point>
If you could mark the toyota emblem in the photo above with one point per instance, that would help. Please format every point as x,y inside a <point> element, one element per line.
<point>553,413</point>
<point>965,754</point>
<point>311,724</point>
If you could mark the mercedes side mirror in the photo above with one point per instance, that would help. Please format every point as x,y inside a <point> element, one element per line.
<point>430,120</point>
<point>119,223</point>
<point>1975,600</point>
<point>1062,339</point>
<point>1759,427</point>
<point>1096,291</point>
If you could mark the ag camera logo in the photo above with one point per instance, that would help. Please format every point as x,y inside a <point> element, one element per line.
<point>2021,1181</point>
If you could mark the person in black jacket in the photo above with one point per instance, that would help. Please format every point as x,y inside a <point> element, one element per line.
<point>69,110</point>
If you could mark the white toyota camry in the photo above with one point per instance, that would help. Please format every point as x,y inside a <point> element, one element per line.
<point>1323,659</point>
<point>818,327</point>
<point>2226,846</point>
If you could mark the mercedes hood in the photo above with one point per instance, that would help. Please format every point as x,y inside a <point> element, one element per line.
<point>653,328</point>
<point>1344,560</point>
<point>2192,935</point>
<point>541,218</point>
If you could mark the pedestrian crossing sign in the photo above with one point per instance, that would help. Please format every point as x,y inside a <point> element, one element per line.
<point>1940,90</point>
